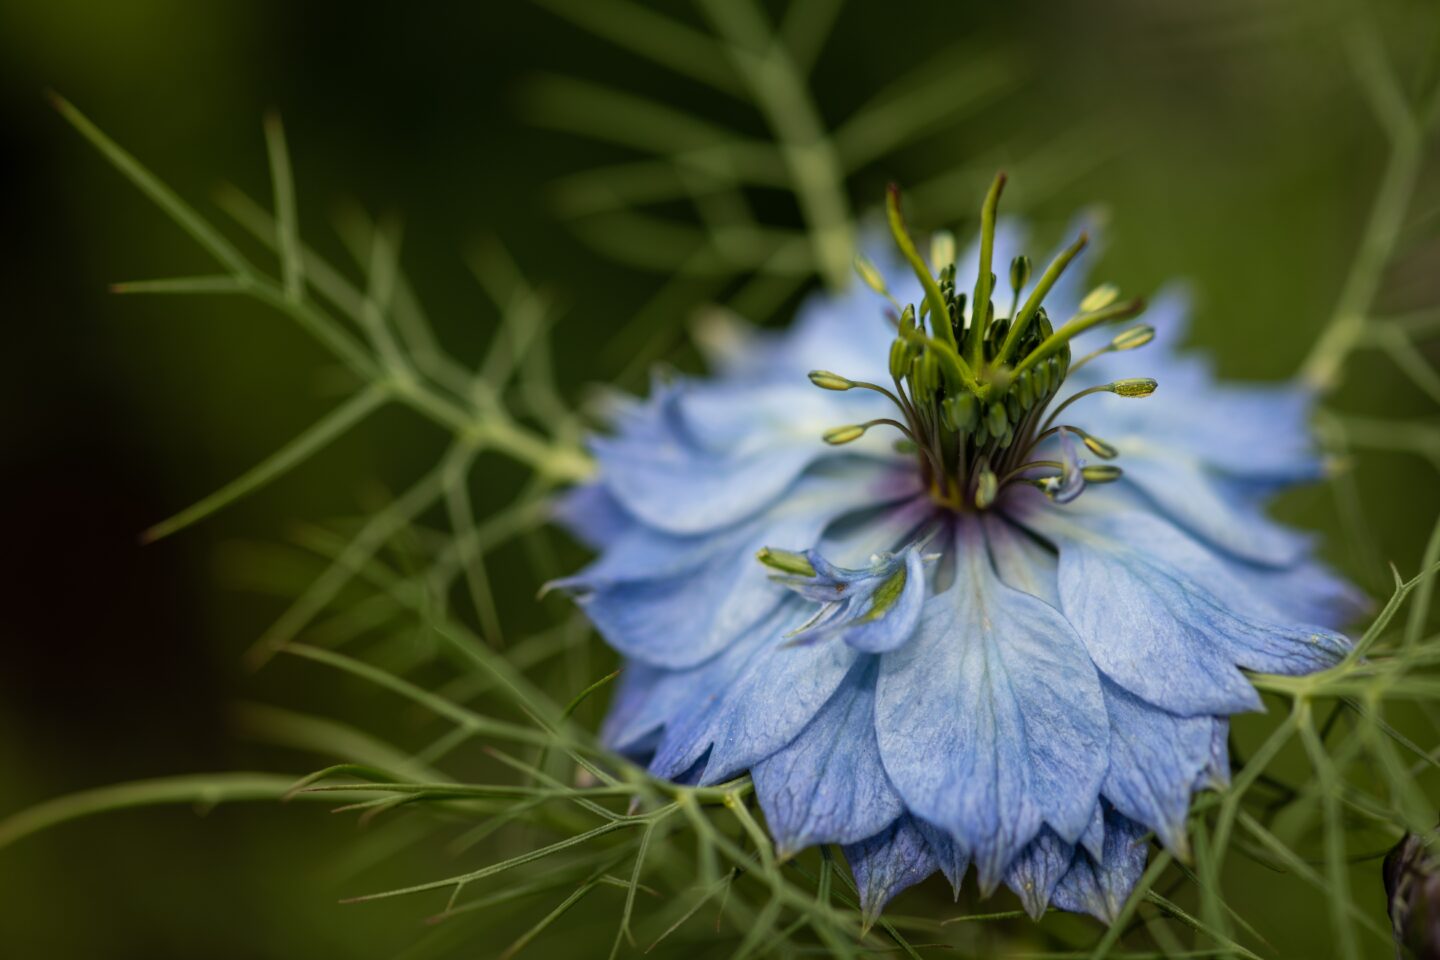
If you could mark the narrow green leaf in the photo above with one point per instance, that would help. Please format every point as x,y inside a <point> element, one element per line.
<point>314,438</point>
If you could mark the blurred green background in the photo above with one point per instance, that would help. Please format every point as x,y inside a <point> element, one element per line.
<point>1228,142</point>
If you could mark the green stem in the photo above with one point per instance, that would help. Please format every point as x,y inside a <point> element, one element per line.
<point>1346,328</point>
<point>767,68</point>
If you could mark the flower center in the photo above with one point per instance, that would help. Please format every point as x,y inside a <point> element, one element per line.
<point>976,392</point>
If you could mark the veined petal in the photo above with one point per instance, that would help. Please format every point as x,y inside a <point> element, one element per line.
<point>1216,774</point>
<point>896,858</point>
<point>752,704</point>
<point>991,720</point>
<point>694,492</point>
<point>1207,504</point>
<point>1101,888</point>
<point>1155,629</point>
<point>953,858</point>
<point>1154,759</point>
<point>1036,870</point>
<point>828,785</point>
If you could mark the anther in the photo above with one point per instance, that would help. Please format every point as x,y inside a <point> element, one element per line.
<point>1133,387</point>
<point>1102,473</point>
<point>786,561</point>
<point>826,380</point>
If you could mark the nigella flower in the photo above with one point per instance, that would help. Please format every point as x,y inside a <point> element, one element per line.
<point>1004,597</point>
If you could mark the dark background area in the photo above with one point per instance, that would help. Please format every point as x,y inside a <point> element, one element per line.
<point>1231,148</point>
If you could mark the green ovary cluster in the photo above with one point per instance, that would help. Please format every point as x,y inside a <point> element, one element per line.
<point>975,391</point>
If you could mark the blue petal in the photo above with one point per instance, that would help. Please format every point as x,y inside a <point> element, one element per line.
<point>949,854</point>
<point>1021,561</point>
<point>828,785</point>
<point>1163,618</point>
<point>1101,889</point>
<point>1093,839</point>
<point>754,700</point>
<point>1216,775</point>
<point>592,515</point>
<point>1209,506</point>
<point>896,858</point>
<point>1034,873</point>
<point>702,456</point>
<point>991,720</point>
<point>635,687</point>
<point>1154,759</point>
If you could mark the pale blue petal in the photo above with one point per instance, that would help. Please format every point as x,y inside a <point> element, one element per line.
<point>1154,759</point>
<point>1161,633</point>
<point>1101,889</point>
<point>1216,775</point>
<point>592,515</point>
<point>1093,839</point>
<point>1207,504</point>
<point>756,705</point>
<point>1034,873</point>
<point>634,689</point>
<point>828,784</point>
<point>949,854</point>
<point>894,859</point>
<point>1021,561</point>
<point>691,492</point>
<point>991,719</point>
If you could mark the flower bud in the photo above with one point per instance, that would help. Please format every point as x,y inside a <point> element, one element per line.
<point>996,419</point>
<point>1098,447</point>
<point>1102,473</point>
<point>870,275</point>
<point>1100,298</point>
<point>826,380</point>
<point>1019,272</point>
<point>786,561</point>
<point>985,489</point>
<point>839,435</point>
<point>962,410</point>
<point>942,250</point>
<point>1134,387</point>
<point>1134,337</point>
<point>901,356</point>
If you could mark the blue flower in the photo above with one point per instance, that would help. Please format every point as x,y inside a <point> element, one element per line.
<point>971,646</point>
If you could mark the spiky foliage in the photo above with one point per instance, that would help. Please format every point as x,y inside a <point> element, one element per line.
<point>558,835</point>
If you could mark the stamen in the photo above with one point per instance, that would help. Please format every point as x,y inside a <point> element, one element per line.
<point>786,561</point>
<point>1131,338</point>
<point>1100,298</point>
<point>1019,276</point>
<point>1102,473</point>
<point>1136,387</point>
<point>852,432</point>
<point>942,250</point>
<point>873,279</point>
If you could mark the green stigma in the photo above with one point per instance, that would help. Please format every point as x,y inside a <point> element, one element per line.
<point>976,388</point>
